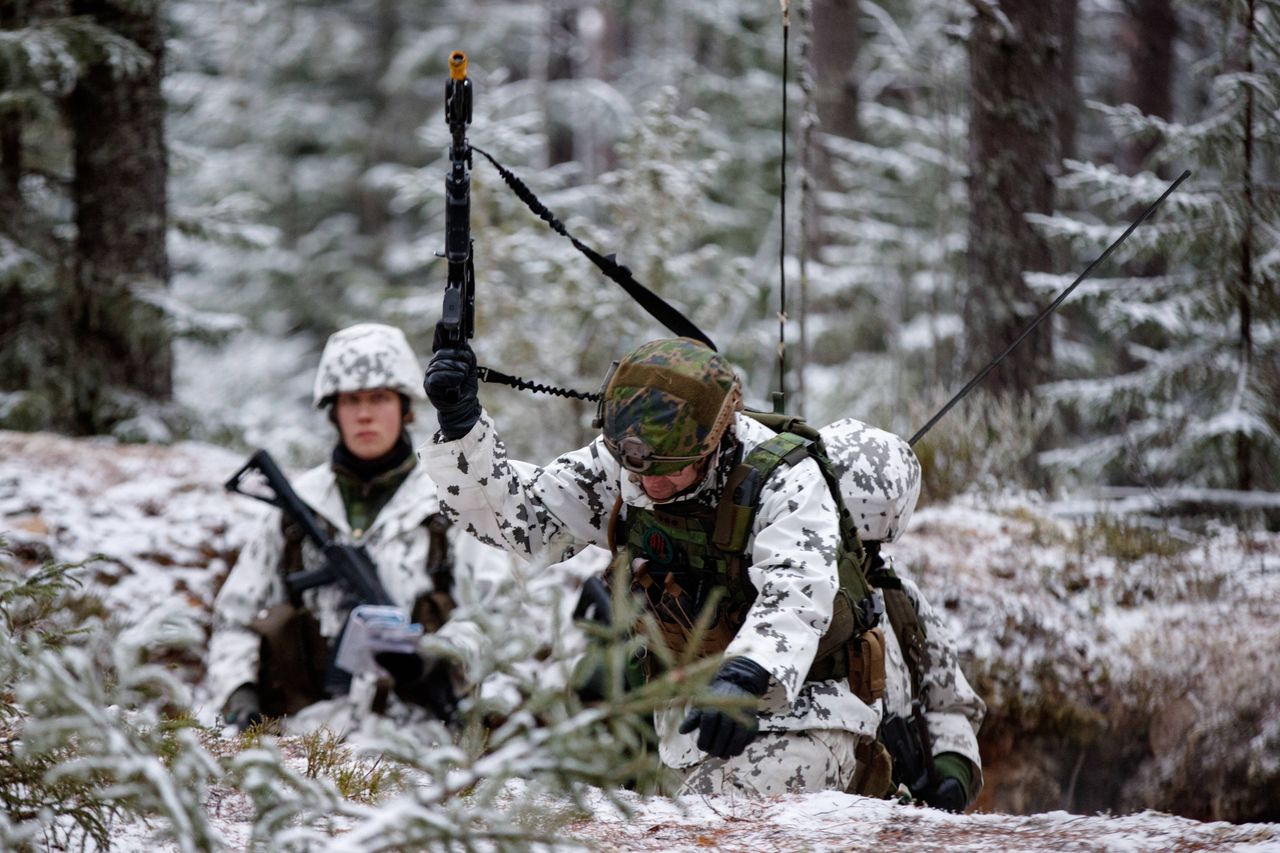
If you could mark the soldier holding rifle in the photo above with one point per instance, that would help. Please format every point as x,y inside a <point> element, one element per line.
<point>278,617</point>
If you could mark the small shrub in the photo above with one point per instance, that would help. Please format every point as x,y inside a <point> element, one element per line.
<point>357,779</point>
<point>1129,540</point>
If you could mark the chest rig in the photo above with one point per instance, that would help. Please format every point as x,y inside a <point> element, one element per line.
<point>296,663</point>
<point>688,564</point>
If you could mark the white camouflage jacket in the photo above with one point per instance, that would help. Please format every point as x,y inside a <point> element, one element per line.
<point>793,550</point>
<point>953,711</point>
<point>397,542</point>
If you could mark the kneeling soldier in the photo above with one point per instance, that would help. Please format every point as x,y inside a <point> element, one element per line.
<point>670,456</point>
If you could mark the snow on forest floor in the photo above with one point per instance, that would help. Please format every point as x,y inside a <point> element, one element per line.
<point>165,529</point>
<point>829,822</point>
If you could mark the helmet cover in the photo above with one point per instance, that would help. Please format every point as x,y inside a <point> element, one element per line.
<point>364,357</point>
<point>668,404</point>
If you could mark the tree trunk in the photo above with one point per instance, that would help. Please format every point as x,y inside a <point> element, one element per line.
<point>1015,77</point>
<point>1148,40</point>
<point>1069,107</point>
<point>120,344</point>
<point>387,125</point>
<point>1247,283</point>
<point>835,37</point>
<point>561,42</point>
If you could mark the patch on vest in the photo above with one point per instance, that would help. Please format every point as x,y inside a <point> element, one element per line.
<point>658,547</point>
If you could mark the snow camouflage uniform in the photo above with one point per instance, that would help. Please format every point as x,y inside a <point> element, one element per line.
<point>809,730</point>
<point>398,540</point>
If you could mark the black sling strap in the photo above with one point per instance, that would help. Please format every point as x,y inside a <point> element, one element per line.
<point>658,308</point>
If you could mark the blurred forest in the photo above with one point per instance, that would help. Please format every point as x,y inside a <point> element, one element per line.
<point>197,192</point>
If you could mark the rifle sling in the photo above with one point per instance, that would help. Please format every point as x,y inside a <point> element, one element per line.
<point>902,615</point>
<point>658,308</point>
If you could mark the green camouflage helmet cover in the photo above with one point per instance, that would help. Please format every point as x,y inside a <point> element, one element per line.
<point>675,397</point>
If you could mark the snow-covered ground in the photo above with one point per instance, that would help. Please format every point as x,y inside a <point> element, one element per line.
<point>1152,634</point>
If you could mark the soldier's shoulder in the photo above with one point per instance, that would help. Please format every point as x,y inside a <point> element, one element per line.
<point>316,479</point>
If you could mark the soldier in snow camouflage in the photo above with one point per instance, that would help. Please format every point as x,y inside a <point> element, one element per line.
<point>271,656</point>
<point>673,433</point>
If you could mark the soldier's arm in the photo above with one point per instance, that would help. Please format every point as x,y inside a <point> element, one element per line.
<point>253,585</point>
<point>481,575</point>
<point>953,710</point>
<point>794,573</point>
<point>516,506</point>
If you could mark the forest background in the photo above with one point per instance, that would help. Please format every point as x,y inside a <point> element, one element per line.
<point>196,193</point>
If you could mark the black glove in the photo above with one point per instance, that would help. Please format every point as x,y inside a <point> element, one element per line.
<point>595,603</point>
<point>453,388</point>
<point>953,777</point>
<point>723,732</point>
<point>423,682</point>
<point>242,708</point>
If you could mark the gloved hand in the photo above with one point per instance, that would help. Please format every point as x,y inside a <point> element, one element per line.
<point>595,603</point>
<point>953,779</point>
<point>453,387</point>
<point>590,674</point>
<point>426,682</point>
<point>242,708</point>
<point>724,732</point>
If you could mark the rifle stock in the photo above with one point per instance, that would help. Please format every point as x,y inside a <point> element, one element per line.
<point>346,564</point>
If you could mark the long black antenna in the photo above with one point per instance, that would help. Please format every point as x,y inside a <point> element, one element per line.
<point>782,221</point>
<point>1047,311</point>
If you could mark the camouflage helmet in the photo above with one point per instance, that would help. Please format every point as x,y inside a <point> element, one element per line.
<point>364,357</point>
<point>667,404</point>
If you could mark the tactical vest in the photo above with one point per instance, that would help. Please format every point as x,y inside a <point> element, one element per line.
<point>690,564</point>
<point>295,661</point>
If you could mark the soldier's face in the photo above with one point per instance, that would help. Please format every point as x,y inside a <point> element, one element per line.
<point>666,486</point>
<point>368,421</point>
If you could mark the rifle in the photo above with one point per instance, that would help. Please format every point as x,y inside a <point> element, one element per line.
<point>909,747</point>
<point>346,564</point>
<point>458,317</point>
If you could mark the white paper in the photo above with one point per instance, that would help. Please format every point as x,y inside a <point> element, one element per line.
<point>374,628</point>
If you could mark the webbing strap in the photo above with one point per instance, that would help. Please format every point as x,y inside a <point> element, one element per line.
<point>658,308</point>
<point>791,448</point>
<point>737,511</point>
<point>903,616</point>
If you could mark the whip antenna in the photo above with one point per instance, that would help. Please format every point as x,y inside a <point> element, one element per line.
<point>1047,311</point>
<point>782,222</point>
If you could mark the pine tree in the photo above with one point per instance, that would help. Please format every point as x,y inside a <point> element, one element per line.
<point>95,730</point>
<point>1186,391</point>
<point>886,288</point>
<point>82,267</point>
<point>86,733</point>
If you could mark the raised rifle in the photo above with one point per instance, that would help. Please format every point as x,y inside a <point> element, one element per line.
<point>458,316</point>
<point>348,565</point>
